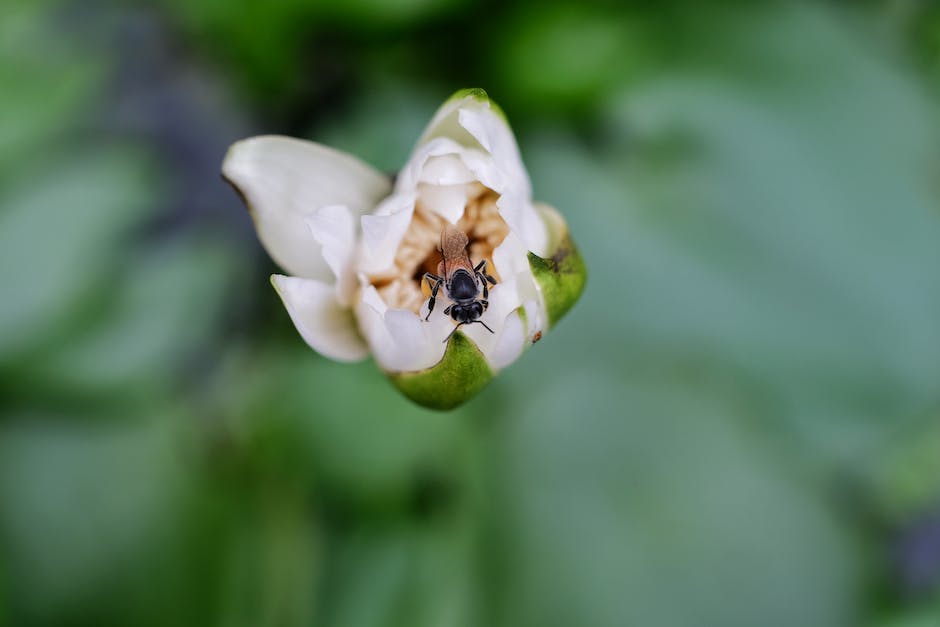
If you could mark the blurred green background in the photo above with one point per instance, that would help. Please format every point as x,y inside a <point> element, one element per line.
<point>739,424</point>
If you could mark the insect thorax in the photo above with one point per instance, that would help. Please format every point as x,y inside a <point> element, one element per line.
<point>463,286</point>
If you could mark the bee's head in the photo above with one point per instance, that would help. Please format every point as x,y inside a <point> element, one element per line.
<point>467,313</point>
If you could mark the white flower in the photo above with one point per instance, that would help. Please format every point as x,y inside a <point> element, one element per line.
<point>356,248</point>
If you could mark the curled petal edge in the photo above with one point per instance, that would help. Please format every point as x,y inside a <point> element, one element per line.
<point>326,325</point>
<point>283,181</point>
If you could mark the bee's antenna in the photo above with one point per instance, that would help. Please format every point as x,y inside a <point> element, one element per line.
<point>484,325</point>
<point>454,331</point>
<point>470,322</point>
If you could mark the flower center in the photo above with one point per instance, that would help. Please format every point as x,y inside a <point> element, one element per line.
<point>419,252</point>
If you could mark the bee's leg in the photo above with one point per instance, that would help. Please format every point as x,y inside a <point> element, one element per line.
<point>435,282</point>
<point>485,304</point>
<point>486,291</point>
<point>447,310</point>
<point>480,270</point>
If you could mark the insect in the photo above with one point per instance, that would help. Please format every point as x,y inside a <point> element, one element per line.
<point>463,282</point>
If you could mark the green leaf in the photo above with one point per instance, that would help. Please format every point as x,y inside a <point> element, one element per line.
<point>60,237</point>
<point>563,57</point>
<point>782,231</point>
<point>643,500</point>
<point>162,309</point>
<point>82,508</point>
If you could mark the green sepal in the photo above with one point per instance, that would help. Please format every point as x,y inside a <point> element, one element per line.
<point>461,373</point>
<point>561,277</point>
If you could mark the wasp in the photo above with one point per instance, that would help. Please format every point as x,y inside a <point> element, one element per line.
<point>463,282</point>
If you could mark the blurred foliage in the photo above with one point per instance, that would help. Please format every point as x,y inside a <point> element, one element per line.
<point>738,425</point>
<point>571,56</point>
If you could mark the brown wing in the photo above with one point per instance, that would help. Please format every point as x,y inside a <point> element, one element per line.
<point>454,250</point>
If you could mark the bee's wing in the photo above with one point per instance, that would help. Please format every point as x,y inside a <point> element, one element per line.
<point>454,249</point>
<point>453,242</point>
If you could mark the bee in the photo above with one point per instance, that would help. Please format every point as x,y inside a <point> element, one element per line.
<point>463,282</point>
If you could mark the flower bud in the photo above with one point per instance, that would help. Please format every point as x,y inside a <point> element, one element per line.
<point>445,277</point>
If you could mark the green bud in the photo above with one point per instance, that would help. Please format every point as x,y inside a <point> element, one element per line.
<point>561,277</point>
<point>461,373</point>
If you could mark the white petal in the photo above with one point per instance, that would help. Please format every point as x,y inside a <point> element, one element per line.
<point>334,228</point>
<point>504,300</point>
<point>448,201</point>
<point>471,120</point>
<point>535,318</point>
<point>505,345</point>
<point>447,169</point>
<point>525,221</point>
<point>328,327</point>
<point>283,180</point>
<point>484,168</point>
<point>410,175</point>
<point>371,297</point>
<point>445,164</point>
<point>415,347</point>
<point>488,149</point>
<point>511,260</point>
<point>491,130</point>
<point>383,231</point>
<point>400,340</point>
<point>370,311</point>
<point>446,122</point>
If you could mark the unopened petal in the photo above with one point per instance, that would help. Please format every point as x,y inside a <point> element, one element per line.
<point>446,120</point>
<point>470,129</point>
<point>494,134</point>
<point>284,180</point>
<point>327,326</point>
<point>472,120</point>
